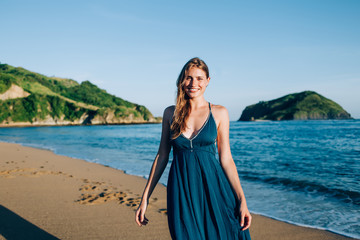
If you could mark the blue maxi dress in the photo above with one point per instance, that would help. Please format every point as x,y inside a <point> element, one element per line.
<point>201,203</point>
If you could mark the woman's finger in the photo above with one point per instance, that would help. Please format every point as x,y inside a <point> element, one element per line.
<point>137,218</point>
<point>145,219</point>
<point>142,217</point>
<point>247,222</point>
<point>242,220</point>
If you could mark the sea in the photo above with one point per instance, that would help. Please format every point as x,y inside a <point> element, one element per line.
<point>301,172</point>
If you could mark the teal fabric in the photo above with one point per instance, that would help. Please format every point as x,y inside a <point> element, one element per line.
<point>201,203</point>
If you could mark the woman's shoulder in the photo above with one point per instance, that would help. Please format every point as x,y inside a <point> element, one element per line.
<point>169,113</point>
<point>218,109</point>
<point>169,110</point>
<point>220,112</point>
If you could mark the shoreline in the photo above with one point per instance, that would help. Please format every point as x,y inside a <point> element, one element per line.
<point>21,125</point>
<point>83,185</point>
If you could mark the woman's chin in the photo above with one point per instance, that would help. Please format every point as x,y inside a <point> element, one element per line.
<point>192,95</point>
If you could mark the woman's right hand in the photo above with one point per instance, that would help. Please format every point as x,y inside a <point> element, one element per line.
<point>140,218</point>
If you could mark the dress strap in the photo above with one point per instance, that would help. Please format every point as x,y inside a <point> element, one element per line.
<point>210,106</point>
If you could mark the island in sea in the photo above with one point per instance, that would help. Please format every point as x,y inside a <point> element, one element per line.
<point>306,105</point>
<point>32,99</point>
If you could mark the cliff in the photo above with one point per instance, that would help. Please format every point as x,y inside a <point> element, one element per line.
<point>307,105</point>
<point>28,99</point>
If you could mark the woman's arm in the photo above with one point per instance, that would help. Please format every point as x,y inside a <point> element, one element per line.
<point>157,168</point>
<point>228,164</point>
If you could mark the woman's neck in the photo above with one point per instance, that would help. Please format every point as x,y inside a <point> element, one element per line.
<point>197,103</point>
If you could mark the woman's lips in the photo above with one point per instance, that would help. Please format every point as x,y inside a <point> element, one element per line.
<point>193,89</point>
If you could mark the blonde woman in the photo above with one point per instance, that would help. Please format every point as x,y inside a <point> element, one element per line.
<point>205,199</point>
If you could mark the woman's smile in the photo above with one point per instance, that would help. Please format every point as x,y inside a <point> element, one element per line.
<point>193,89</point>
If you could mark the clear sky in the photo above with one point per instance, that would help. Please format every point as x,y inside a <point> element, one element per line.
<point>256,50</point>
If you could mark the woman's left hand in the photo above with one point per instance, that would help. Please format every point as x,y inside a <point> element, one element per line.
<point>245,217</point>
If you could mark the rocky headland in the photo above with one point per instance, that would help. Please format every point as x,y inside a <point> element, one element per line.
<point>32,99</point>
<point>307,105</point>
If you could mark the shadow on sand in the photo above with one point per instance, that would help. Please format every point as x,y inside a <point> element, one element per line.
<point>14,227</point>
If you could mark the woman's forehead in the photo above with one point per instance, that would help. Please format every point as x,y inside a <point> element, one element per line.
<point>194,70</point>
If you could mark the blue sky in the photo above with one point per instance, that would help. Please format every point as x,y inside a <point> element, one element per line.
<point>256,50</point>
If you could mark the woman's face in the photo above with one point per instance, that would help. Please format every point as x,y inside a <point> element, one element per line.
<point>195,82</point>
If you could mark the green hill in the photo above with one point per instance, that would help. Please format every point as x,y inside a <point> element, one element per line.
<point>307,105</point>
<point>28,98</point>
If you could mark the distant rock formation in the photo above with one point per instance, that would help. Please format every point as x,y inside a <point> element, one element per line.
<point>32,99</point>
<point>307,105</point>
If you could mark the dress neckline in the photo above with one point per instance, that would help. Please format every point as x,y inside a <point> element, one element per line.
<point>204,124</point>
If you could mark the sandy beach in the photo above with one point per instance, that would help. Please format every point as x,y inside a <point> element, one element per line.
<point>47,196</point>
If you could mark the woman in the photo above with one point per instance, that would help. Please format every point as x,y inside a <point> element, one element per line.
<point>204,197</point>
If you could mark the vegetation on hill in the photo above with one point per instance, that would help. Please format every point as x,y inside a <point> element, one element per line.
<point>307,105</point>
<point>57,100</point>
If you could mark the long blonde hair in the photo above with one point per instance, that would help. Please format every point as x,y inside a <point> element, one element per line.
<point>182,108</point>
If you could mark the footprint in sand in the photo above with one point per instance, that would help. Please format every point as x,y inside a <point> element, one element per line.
<point>85,180</point>
<point>102,197</point>
<point>163,211</point>
<point>88,187</point>
<point>44,172</point>
<point>16,171</point>
<point>132,202</point>
<point>94,193</point>
<point>29,172</point>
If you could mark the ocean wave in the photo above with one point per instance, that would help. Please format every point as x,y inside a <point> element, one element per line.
<point>346,196</point>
